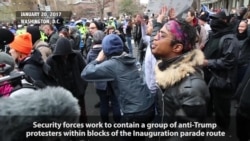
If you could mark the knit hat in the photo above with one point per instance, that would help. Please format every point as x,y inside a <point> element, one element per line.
<point>112,44</point>
<point>6,37</point>
<point>22,43</point>
<point>35,33</point>
<point>98,37</point>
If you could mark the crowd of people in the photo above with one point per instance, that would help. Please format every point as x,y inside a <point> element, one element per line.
<point>189,70</point>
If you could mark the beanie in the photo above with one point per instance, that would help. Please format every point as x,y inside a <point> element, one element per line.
<point>112,44</point>
<point>35,33</point>
<point>22,43</point>
<point>6,37</point>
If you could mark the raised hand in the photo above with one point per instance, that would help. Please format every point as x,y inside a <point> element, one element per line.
<point>162,14</point>
<point>172,14</point>
<point>101,57</point>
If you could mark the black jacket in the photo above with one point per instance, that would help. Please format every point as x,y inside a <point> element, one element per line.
<point>182,88</point>
<point>67,72</point>
<point>137,32</point>
<point>244,56</point>
<point>243,95</point>
<point>34,68</point>
<point>220,61</point>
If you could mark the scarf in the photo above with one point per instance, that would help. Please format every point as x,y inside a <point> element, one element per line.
<point>165,63</point>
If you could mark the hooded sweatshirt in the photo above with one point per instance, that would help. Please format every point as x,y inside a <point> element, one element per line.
<point>66,66</point>
<point>132,92</point>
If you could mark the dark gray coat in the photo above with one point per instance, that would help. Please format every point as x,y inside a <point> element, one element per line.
<point>133,94</point>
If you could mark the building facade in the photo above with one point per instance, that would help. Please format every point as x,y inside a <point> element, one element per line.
<point>227,4</point>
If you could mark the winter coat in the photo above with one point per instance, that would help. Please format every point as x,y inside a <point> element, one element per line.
<point>182,90</point>
<point>221,61</point>
<point>67,73</point>
<point>34,69</point>
<point>244,55</point>
<point>132,93</point>
<point>52,39</point>
<point>243,95</point>
<point>44,48</point>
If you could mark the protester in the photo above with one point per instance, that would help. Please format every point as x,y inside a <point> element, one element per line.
<point>28,61</point>
<point>221,52</point>
<point>135,99</point>
<point>182,90</point>
<point>104,89</point>
<point>243,114</point>
<point>37,43</point>
<point>6,38</point>
<point>201,32</point>
<point>93,27</point>
<point>64,32</point>
<point>73,32</point>
<point>65,68</point>
<point>244,50</point>
<point>53,36</point>
<point>112,30</point>
<point>128,35</point>
<point>203,18</point>
<point>137,30</point>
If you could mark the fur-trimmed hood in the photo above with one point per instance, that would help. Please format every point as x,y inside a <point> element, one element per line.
<point>179,69</point>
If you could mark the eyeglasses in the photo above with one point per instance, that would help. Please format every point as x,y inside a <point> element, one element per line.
<point>161,35</point>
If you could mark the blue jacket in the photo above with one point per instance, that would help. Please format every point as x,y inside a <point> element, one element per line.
<point>133,94</point>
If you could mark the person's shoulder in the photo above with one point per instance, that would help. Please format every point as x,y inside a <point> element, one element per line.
<point>41,43</point>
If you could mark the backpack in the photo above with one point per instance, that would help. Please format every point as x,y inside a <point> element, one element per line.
<point>228,82</point>
<point>228,37</point>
